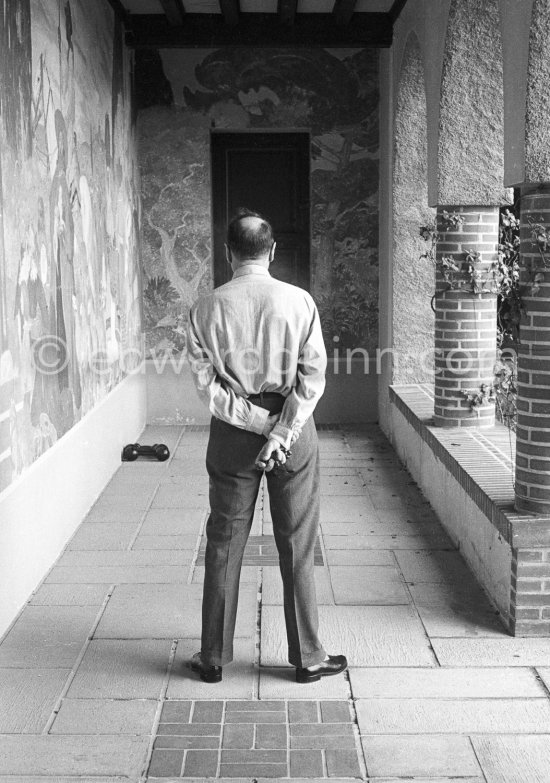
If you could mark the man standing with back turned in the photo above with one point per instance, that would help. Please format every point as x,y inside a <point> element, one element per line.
<point>257,353</point>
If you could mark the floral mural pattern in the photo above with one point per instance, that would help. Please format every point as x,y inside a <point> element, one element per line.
<point>70,301</point>
<point>334,95</point>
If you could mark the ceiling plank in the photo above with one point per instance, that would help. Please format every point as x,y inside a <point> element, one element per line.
<point>230,10</point>
<point>286,9</point>
<point>174,11</point>
<point>260,29</point>
<point>343,11</point>
<point>395,10</point>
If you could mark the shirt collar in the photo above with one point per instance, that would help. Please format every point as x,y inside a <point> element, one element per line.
<point>251,269</point>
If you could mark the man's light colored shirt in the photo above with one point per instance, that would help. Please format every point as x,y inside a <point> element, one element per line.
<point>256,334</point>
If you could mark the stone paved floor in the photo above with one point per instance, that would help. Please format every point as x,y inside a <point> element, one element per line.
<point>93,682</point>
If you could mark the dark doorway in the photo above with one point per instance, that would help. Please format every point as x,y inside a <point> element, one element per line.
<point>268,173</point>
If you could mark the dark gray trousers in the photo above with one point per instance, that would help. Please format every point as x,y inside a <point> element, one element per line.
<point>294,501</point>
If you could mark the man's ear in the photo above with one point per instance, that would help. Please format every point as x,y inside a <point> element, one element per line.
<point>227,254</point>
<point>272,252</point>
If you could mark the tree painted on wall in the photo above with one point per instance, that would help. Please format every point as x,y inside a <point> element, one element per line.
<point>176,226</point>
<point>336,98</point>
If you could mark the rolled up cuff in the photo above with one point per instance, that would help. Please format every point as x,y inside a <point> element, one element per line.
<point>282,434</point>
<point>258,419</point>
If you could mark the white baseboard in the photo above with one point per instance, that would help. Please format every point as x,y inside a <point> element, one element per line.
<point>40,511</point>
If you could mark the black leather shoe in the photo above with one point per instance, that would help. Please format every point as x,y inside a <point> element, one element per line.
<point>335,665</point>
<point>206,673</point>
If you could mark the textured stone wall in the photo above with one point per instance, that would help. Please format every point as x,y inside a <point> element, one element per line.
<point>471,123</point>
<point>412,279</point>
<point>537,141</point>
<point>70,304</point>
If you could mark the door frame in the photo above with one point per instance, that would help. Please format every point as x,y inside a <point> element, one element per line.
<point>218,227</point>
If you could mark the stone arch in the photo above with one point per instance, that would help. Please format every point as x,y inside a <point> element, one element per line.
<point>471,121</point>
<point>413,279</point>
<point>537,135</point>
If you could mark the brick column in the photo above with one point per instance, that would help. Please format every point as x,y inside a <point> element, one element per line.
<point>465,322</point>
<point>533,425</point>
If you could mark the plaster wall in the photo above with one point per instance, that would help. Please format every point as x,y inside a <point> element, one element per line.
<point>70,301</point>
<point>487,554</point>
<point>41,509</point>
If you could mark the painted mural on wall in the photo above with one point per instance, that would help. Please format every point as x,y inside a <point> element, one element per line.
<point>333,94</point>
<point>70,313</point>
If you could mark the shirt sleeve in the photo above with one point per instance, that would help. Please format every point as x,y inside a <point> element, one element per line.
<point>222,401</point>
<point>309,388</point>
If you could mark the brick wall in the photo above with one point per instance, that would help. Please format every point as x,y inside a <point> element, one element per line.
<point>465,325</point>
<point>533,427</point>
<point>530,593</point>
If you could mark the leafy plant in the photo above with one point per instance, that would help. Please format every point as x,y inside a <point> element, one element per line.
<point>505,392</point>
<point>464,274</point>
<point>345,314</point>
<point>479,397</point>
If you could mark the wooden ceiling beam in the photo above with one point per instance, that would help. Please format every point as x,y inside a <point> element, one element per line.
<point>174,11</point>
<point>231,11</point>
<point>286,10</point>
<point>343,11</point>
<point>260,29</point>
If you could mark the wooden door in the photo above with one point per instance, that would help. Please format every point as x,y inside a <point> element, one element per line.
<point>267,173</point>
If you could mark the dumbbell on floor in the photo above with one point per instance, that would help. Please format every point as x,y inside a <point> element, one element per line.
<point>132,451</point>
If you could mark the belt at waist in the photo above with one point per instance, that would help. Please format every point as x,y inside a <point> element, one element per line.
<point>271,401</point>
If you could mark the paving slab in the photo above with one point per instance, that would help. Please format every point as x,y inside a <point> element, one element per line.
<point>272,586</point>
<point>101,536</point>
<point>544,674</point>
<point>33,754</point>
<point>239,678</point>
<point>367,635</point>
<point>370,557</point>
<point>134,575</point>
<point>514,759</point>
<point>279,682</point>
<point>47,637</point>
<point>453,716</point>
<point>70,779</point>
<point>458,610</point>
<point>416,755</point>
<point>121,669</point>
<point>442,683</point>
<point>105,716</point>
<point>185,543</point>
<point>502,651</point>
<point>437,567</point>
<point>28,698</point>
<point>126,558</point>
<point>344,508</point>
<point>111,514</point>
<point>177,497</point>
<point>428,780</point>
<point>364,585</point>
<point>70,595</point>
<point>375,527</point>
<point>173,522</point>
<point>436,540</point>
<point>166,611</point>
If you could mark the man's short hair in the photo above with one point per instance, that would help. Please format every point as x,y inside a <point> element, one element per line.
<point>247,241</point>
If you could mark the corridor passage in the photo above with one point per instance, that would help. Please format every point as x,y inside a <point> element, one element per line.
<point>93,677</point>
